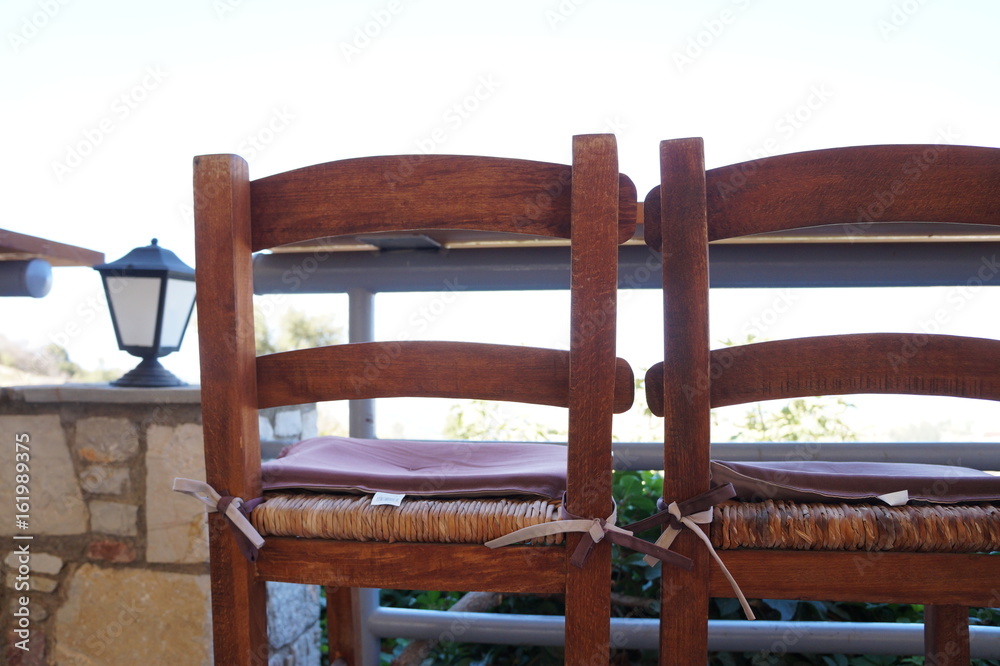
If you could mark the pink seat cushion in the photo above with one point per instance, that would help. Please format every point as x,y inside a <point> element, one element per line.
<point>439,469</point>
<point>815,481</point>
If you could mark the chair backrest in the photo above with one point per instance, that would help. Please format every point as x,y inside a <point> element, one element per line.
<point>589,203</point>
<point>857,187</point>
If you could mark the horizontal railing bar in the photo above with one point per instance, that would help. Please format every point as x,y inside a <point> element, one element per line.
<point>771,265</point>
<point>643,634</point>
<point>977,455</point>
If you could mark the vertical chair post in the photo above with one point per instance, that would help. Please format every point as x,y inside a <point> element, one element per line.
<point>229,396</point>
<point>594,275</point>
<point>946,635</point>
<point>684,245</point>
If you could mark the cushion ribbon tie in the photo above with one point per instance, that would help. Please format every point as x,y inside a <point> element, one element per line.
<point>594,530</point>
<point>691,513</point>
<point>234,509</point>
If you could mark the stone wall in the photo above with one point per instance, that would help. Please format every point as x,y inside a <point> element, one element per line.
<point>108,565</point>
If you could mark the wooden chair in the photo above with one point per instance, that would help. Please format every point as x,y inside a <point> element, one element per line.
<point>855,186</point>
<point>589,203</point>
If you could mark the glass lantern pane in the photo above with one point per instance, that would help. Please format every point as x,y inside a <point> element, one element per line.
<point>179,299</point>
<point>134,301</point>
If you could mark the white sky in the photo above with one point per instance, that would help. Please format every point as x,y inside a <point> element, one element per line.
<point>104,103</point>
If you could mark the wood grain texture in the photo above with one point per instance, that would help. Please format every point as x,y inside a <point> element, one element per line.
<point>856,186</point>
<point>928,578</point>
<point>589,202</point>
<point>343,624</point>
<point>946,635</point>
<point>593,296</point>
<point>847,186</point>
<point>420,566</point>
<point>414,192</point>
<point>912,364</point>
<point>425,369</point>
<point>15,246</point>
<point>895,363</point>
<point>228,393</point>
<point>684,595</point>
<point>652,231</point>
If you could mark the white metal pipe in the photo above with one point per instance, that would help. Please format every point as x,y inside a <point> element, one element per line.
<point>31,277</point>
<point>361,328</point>
<point>977,455</point>
<point>766,637</point>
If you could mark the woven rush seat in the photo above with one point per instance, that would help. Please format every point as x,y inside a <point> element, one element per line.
<point>963,528</point>
<point>346,517</point>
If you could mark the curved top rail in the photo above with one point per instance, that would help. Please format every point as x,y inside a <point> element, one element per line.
<point>857,186</point>
<point>413,192</point>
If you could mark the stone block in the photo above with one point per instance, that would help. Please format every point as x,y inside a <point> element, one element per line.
<point>310,422</point>
<point>113,518</point>
<point>56,503</point>
<point>176,527</point>
<point>291,611</point>
<point>33,656</point>
<point>288,424</point>
<point>37,612</point>
<point>100,439</point>
<point>104,479</point>
<point>38,562</point>
<point>303,652</point>
<point>264,426</point>
<point>129,616</point>
<point>36,583</point>
<point>111,551</point>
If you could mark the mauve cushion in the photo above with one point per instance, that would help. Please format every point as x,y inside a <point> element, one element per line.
<point>458,469</point>
<point>815,481</point>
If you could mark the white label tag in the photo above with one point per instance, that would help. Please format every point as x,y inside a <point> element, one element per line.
<point>379,499</point>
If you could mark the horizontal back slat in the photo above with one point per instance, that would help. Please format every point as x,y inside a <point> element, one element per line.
<point>857,185</point>
<point>895,363</point>
<point>913,364</point>
<point>415,192</point>
<point>422,369</point>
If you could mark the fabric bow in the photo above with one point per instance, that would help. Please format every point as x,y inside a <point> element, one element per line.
<point>691,513</point>
<point>594,530</point>
<point>234,509</point>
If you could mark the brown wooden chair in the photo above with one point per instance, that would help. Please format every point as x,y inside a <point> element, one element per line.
<point>788,549</point>
<point>588,203</point>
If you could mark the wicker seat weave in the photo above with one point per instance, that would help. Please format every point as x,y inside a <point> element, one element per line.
<point>345,517</point>
<point>963,528</point>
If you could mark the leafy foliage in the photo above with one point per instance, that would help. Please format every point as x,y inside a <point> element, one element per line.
<point>800,420</point>
<point>51,361</point>
<point>481,420</point>
<point>295,330</point>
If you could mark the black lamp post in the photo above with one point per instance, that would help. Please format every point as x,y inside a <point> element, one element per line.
<point>151,295</point>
